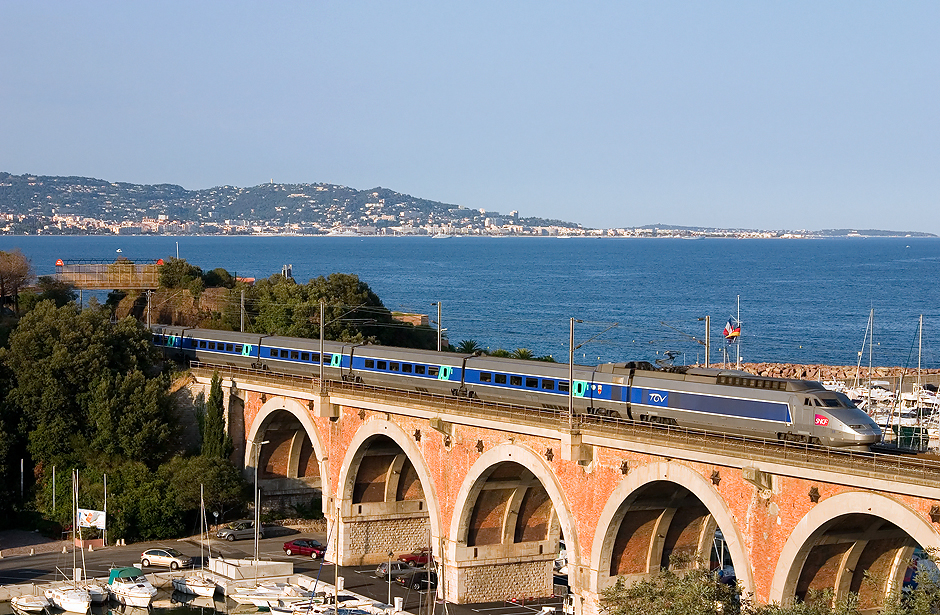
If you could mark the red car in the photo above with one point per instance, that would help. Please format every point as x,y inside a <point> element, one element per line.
<point>418,557</point>
<point>313,548</point>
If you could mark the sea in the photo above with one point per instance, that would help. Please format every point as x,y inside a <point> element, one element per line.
<point>797,300</point>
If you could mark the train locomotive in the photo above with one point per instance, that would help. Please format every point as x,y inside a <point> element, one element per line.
<point>716,400</point>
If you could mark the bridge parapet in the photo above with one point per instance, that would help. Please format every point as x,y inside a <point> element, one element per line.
<point>894,473</point>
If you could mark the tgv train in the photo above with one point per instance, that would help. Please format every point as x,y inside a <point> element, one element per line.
<point>726,401</point>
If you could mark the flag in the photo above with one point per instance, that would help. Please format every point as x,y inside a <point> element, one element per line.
<point>91,518</point>
<point>732,331</point>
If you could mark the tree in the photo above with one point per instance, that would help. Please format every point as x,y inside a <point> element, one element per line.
<point>49,288</point>
<point>15,272</point>
<point>522,353</point>
<point>689,592</point>
<point>216,444</point>
<point>468,347</point>
<point>177,273</point>
<point>58,358</point>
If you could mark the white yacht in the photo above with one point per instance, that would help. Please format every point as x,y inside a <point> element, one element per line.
<point>129,586</point>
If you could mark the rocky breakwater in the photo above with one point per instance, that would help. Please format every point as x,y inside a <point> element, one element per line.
<point>834,372</point>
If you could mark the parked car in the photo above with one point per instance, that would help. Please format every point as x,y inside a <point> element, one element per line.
<point>419,580</point>
<point>239,529</point>
<point>418,557</point>
<point>313,548</point>
<point>165,556</point>
<point>398,569</point>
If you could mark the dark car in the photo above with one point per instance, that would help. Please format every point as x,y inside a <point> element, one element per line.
<point>420,580</point>
<point>313,548</point>
<point>418,557</point>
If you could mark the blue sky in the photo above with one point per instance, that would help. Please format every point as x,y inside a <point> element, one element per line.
<point>753,114</point>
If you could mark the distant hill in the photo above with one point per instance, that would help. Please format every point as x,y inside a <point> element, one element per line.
<point>819,233</point>
<point>321,205</point>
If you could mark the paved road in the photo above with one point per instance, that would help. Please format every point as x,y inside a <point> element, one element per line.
<point>361,580</point>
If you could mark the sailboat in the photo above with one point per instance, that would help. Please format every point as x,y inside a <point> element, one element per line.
<point>198,583</point>
<point>73,597</point>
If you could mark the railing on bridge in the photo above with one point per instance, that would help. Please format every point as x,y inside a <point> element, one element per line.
<point>122,274</point>
<point>905,469</point>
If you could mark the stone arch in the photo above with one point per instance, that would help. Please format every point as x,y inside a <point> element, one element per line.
<point>815,523</point>
<point>470,489</point>
<point>301,413</point>
<point>358,446</point>
<point>697,485</point>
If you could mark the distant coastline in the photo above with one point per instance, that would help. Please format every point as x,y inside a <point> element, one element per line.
<point>57,205</point>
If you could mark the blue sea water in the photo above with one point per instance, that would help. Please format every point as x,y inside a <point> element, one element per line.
<point>801,300</point>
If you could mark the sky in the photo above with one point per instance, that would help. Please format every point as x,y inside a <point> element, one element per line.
<point>770,115</point>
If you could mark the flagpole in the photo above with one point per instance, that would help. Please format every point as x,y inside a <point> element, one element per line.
<point>739,337</point>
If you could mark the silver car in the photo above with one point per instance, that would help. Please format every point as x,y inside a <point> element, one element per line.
<point>398,569</point>
<point>165,556</point>
<point>237,530</point>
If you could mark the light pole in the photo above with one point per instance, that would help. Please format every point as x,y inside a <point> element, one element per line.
<point>388,573</point>
<point>438,304</point>
<point>571,372</point>
<point>257,447</point>
<point>708,338</point>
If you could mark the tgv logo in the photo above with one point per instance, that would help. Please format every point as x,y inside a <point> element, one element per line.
<point>658,398</point>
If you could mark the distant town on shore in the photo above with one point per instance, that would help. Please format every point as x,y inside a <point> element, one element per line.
<point>55,205</point>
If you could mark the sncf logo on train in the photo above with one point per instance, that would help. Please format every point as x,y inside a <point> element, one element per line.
<point>821,420</point>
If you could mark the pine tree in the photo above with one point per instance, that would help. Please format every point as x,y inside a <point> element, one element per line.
<point>215,442</point>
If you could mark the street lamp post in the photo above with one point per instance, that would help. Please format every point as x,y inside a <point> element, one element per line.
<point>257,447</point>
<point>708,338</point>
<point>438,304</point>
<point>388,574</point>
<point>571,372</point>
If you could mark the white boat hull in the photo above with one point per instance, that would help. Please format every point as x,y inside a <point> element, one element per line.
<point>71,599</point>
<point>29,604</point>
<point>196,585</point>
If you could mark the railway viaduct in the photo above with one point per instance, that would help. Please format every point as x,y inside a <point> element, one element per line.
<point>493,488</point>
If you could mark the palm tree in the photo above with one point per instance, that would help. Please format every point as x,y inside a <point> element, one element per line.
<point>467,347</point>
<point>522,353</point>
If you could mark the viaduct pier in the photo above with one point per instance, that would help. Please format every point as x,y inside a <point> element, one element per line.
<point>493,488</point>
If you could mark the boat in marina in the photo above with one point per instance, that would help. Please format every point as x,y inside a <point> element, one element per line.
<point>28,603</point>
<point>265,594</point>
<point>198,583</point>
<point>71,598</point>
<point>129,586</point>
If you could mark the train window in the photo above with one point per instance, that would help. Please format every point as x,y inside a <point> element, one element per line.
<point>486,377</point>
<point>807,402</point>
<point>157,339</point>
<point>273,353</point>
<point>500,378</point>
<point>406,367</point>
<point>315,357</point>
<point>294,355</point>
<point>202,343</point>
<point>229,348</point>
<point>419,369</point>
<point>532,383</point>
<point>817,402</point>
<point>433,371</point>
<point>548,385</point>
<point>394,366</point>
<point>562,386</point>
<point>327,359</point>
<point>383,365</point>
<point>370,363</point>
<point>832,403</point>
<point>304,356</point>
<point>283,354</point>
<point>211,345</point>
<point>515,381</point>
